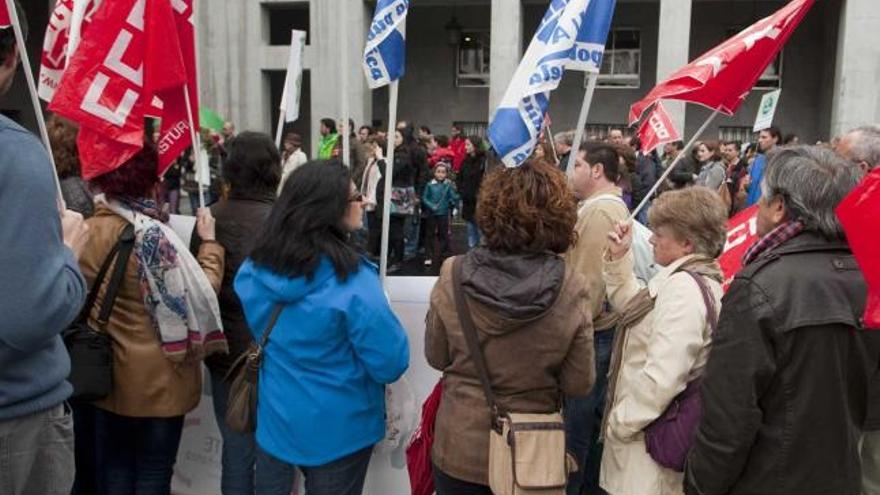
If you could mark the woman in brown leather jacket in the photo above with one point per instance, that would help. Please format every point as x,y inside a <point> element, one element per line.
<point>531,314</point>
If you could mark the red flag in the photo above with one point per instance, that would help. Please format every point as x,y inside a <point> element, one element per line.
<point>5,20</point>
<point>129,56</point>
<point>171,54</point>
<point>742,232</point>
<point>657,130</point>
<point>102,88</point>
<point>55,44</point>
<point>858,213</point>
<point>722,77</point>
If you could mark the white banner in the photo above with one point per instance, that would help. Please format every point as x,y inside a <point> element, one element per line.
<point>197,471</point>
<point>293,81</point>
<point>767,110</point>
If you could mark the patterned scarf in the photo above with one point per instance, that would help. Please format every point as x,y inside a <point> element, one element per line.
<point>773,240</point>
<point>635,311</point>
<point>177,294</point>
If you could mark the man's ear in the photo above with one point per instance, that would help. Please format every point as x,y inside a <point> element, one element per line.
<point>777,210</point>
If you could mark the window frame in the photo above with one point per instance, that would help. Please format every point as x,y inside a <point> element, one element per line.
<point>605,80</point>
<point>471,80</point>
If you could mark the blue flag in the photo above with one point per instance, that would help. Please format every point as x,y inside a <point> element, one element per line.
<point>517,123</point>
<point>385,53</point>
<point>590,44</point>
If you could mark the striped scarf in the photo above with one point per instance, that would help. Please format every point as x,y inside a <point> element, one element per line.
<point>773,240</point>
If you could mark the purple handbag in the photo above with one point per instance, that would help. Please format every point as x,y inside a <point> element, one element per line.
<point>670,437</point>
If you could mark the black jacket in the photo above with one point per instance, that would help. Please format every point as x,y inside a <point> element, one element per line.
<point>238,223</point>
<point>786,389</point>
<point>469,179</point>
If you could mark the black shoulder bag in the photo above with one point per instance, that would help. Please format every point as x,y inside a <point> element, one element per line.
<point>90,349</point>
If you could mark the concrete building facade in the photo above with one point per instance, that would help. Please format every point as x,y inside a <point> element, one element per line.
<point>462,54</point>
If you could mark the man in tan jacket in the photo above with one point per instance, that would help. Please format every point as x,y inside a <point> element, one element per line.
<point>601,207</point>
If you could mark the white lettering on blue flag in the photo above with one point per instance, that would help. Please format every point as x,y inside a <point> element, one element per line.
<point>590,44</point>
<point>385,53</point>
<point>517,123</point>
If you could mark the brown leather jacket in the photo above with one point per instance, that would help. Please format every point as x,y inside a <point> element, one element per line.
<point>536,331</point>
<point>145,382</point>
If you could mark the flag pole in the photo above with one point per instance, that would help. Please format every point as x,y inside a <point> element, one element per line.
<point>548,137</point>
<point>35,99</point>
<point>197,146</point>
<point>687,149</point>
<point>389,170</point>
<point>343,74</point>
<point>282,114</point>
<point>592,77</point>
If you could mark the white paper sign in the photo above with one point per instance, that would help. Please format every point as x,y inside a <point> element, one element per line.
<point>766,110</point>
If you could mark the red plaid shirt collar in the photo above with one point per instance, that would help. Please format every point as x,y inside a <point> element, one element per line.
<point>773,239</point>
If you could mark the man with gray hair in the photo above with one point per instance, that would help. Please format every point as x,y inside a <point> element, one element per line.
<point>862,146</point>
<point>563,142</point>
<point>786,387</point>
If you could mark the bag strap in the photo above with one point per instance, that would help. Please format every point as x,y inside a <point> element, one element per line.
<point>96,285</point>
<point>276,312</point>
<point>124,247</point>
<point>708,299</point>
<point>470,333</point>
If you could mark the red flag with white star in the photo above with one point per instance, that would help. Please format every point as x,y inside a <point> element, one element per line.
<point>721,78</point>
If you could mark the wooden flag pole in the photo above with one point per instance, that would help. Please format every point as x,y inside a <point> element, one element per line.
<point>675,162</point>
<point>35,99</point>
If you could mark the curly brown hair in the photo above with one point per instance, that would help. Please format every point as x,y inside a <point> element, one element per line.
<point>62,137</point>
<point>528,209</point>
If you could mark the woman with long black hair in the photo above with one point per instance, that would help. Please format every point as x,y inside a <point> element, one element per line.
<point>334,345</point>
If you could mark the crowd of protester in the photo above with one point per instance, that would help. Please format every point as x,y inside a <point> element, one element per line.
<point>569,314</point>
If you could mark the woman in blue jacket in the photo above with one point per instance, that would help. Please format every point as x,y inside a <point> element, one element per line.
<point>335,345</point>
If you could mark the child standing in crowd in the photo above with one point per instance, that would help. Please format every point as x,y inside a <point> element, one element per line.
<point>438,199</point>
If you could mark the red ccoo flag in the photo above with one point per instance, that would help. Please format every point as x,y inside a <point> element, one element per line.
<point>858,213</point>
<point>176,55</point>
<point>125,59</point>
<point>657,130</point>
<point>722,77</point>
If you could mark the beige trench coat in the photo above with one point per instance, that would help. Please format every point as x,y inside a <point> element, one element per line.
<point>661,354</point>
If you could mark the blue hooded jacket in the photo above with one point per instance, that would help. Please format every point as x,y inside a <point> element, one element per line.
<point>334,347</point>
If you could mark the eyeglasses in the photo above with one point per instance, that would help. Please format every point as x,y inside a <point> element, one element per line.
<point>357,198</point>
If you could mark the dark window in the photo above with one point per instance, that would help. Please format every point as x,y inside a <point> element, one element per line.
<point>286,16</point>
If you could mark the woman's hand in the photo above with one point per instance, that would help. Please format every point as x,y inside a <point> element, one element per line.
<point>205,225</point>
<point>620,240</point>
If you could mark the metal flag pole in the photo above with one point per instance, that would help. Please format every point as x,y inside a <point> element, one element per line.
<point>389,170</point>
<point>343,74</point>
<point>592,77</point>
<point>35,99</point>
<point>675,162</point>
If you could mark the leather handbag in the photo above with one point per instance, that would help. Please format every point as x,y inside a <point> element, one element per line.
<point>91,349</point>
<point>669,438</point>
<point>526,451</point>
<point>241,410</point>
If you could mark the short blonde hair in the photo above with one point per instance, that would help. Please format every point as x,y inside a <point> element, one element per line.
<point>696,214</point>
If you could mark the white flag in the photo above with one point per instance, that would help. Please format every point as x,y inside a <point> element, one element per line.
<point>293,82</point>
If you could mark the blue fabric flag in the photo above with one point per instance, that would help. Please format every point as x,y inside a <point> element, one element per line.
<point>385,53</point>
<point>590,43</point>
<point>517,123</point>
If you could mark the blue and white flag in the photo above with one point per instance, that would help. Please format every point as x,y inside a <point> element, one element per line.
<point>590,43</point>
<point>385,54</point>
<point>514,130</point>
